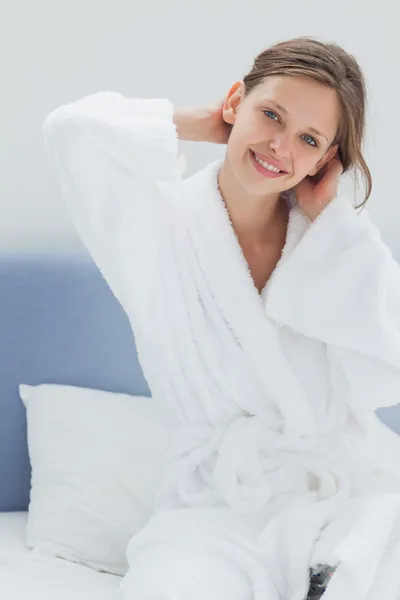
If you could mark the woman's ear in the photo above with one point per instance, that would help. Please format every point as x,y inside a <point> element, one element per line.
<point>324,160</point>
<point>232,102</point>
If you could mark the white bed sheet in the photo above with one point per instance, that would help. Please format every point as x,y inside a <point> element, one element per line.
<point>25,575</point>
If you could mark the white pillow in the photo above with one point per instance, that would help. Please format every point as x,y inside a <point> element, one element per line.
<point>95,458</point>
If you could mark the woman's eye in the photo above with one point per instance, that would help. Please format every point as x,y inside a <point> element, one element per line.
<point>270,111</point>
<point>314,143</point>
<point>311,138</point>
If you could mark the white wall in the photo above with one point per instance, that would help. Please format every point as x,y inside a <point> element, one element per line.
<point>52,53</point>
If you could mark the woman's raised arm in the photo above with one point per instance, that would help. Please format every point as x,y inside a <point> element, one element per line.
<point>110,152</point>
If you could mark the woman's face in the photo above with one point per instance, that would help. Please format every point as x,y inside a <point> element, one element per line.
<point>284,133</point>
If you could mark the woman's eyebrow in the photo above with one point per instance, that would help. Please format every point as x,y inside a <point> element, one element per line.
<point>280,107</point>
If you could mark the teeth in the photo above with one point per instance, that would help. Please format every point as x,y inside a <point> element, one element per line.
<point>266,165</point>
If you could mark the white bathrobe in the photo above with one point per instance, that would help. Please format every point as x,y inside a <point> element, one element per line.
<point>277,459</point>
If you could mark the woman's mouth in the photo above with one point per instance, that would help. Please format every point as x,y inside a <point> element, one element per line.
<point>271,173</point>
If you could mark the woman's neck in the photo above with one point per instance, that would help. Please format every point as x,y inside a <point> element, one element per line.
<point>255,219</point>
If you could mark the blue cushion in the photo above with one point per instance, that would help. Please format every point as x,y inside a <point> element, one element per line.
<point>59,323</point>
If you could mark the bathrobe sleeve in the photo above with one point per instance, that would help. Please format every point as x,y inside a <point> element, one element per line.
<point>110,154</point>
<point>341,285</point>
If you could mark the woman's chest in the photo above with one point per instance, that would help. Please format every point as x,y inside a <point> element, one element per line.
<point>262,264</point>
<point>262,258</point>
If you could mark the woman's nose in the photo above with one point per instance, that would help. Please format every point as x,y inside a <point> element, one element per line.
<point>281,145</point>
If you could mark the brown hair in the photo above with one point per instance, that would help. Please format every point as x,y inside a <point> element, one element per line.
<point>333,66</point>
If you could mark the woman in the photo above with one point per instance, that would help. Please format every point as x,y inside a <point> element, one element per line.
<point>266,317</point>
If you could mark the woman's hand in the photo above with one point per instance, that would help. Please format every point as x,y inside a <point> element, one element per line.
<point>314,193</point>
<point>217,130</point>
<point>202,123</point>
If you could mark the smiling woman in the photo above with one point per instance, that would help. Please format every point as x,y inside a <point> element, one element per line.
<point>269,350</point>
<point>300,106</point>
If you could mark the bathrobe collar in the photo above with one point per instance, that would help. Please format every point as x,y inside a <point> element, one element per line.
<point>223,269</point>
<point>237,274</point>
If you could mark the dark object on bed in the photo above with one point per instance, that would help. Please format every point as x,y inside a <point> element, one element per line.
<point>320,576</point>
